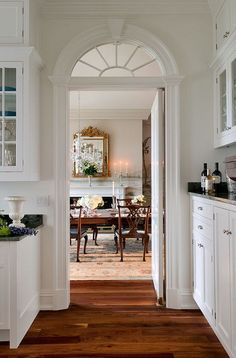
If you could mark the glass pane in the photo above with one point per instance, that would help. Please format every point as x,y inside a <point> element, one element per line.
<point>10,79</point>
<point>117,72</point>
<point>234,93</point>
<point>152,69</point>
<point>81,70</point>
<point>0,79</point>
<point>10,155</point>
<point>0,104</point>
<point>10,130</point>
<point>223,101</point>
<point>10,105</point>
<point>0,154</point>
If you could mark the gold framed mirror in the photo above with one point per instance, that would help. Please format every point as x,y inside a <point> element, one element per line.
<point>90,145</point>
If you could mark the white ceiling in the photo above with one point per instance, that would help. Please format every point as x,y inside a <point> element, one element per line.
<point>106,8</point>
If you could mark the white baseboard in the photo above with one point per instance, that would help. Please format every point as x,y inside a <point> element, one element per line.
<point>177,299</point>
<point>186,300</point>
<point>54,300</point>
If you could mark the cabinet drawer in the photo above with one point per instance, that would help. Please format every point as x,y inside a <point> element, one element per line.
<point>203,226</point>
<point>200,208</point>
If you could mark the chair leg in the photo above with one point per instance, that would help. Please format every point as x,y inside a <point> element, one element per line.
<point>78,247</point>
<point>85,243</point>
<point>121,248</point>
<point>144,250</point>
<point>95,235</point>
<point>116,243</point>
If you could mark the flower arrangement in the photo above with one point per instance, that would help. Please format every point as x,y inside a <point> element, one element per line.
<point>6,230</point>
<point>139,199</point>
<point>91,201</point>
<point>89,168</point>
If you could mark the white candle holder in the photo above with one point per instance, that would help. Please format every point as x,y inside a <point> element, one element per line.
<point>16,212</point>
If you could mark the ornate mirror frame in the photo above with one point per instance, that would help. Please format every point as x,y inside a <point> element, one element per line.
<point>92,145</point>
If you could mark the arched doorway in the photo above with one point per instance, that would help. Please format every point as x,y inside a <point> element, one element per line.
<point>62,83</point>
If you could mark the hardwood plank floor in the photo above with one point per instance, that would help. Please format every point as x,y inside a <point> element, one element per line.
<point>117,319</point>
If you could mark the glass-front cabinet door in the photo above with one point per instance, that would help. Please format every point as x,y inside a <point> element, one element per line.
<point>233,83</point>
<point>10,117</point>
<point>225,104</point>
<point>223,101</point>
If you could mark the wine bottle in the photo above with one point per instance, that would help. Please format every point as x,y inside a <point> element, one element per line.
<point>209,183</point>
<point>203,177</point>
<point>217,177</point>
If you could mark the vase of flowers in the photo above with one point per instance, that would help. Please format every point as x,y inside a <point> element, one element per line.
<point>139,199</point>
<point>89,168</point>
<point>90,203</point>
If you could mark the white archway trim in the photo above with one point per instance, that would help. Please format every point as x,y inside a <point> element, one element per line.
<point>61,84</point>
<point>101,34</point>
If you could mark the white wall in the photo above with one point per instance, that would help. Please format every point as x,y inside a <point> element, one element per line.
<point>189,38</point>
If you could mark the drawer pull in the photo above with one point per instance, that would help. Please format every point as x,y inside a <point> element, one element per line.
<point>200,227</point>
<point>200,208</point>
<point>200,245</point>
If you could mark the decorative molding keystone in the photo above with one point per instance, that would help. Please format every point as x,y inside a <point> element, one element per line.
<point>116,26</point>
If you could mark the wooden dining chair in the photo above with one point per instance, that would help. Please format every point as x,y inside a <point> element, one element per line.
<point>79,232</point>
<point>73,229</point>
<point>125,201</point>
<point>133,222</point>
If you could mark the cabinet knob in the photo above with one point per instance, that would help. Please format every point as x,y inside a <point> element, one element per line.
<point>200,208</point>
<point>226,34</point>
<point>200,227</point>
<point>228,128</point>
<point>199,245</point>
<point>225,231</point>
<point>229,232</point>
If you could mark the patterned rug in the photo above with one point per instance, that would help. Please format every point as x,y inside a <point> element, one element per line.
<point>102,263</point>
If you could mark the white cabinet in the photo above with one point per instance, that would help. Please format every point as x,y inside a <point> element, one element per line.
<point>10,116</point>
<point>214,266</point>
<point>203,279</point>
<point>19,287</point>
<point>223,274</point>
<point>222,25</point>
<point>225,102</point>
<point>19,114</point>
<point>11,22</point>
<point>225,252</point>
<point>4,287</point>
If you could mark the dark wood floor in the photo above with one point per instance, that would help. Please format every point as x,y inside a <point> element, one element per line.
<point>117,319</point>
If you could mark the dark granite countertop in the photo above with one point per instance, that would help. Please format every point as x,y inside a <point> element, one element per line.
<point>30,221</point>
<point>223,196</point>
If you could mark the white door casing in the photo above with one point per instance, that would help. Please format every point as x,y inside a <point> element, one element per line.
<point>157,162</point>
<point>62,83</point>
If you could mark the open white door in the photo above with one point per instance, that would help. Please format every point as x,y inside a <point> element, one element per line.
<point>158,143</point>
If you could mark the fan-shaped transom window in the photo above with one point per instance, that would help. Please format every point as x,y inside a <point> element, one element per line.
<point>117,60</point>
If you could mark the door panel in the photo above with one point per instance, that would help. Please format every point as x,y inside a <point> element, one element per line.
<point>157,161</point>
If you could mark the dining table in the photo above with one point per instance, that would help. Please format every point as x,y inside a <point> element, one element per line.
<point>96,217</point>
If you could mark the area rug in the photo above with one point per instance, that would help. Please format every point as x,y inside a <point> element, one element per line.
<point>102,263</point>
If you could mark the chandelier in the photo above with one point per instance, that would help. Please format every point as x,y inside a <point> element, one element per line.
<point>75,152</point>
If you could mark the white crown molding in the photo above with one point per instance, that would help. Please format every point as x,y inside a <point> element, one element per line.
<point>72,9</point>
<point>110,114</point>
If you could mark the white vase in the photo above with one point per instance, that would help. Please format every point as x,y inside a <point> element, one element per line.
<point>16,210</point>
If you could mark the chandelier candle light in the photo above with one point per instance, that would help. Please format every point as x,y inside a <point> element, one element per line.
<point>113,205</point>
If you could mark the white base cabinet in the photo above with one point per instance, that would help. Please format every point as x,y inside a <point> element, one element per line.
<point>19,287</point>
<point>214,266</point>
<point>203,258</point>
